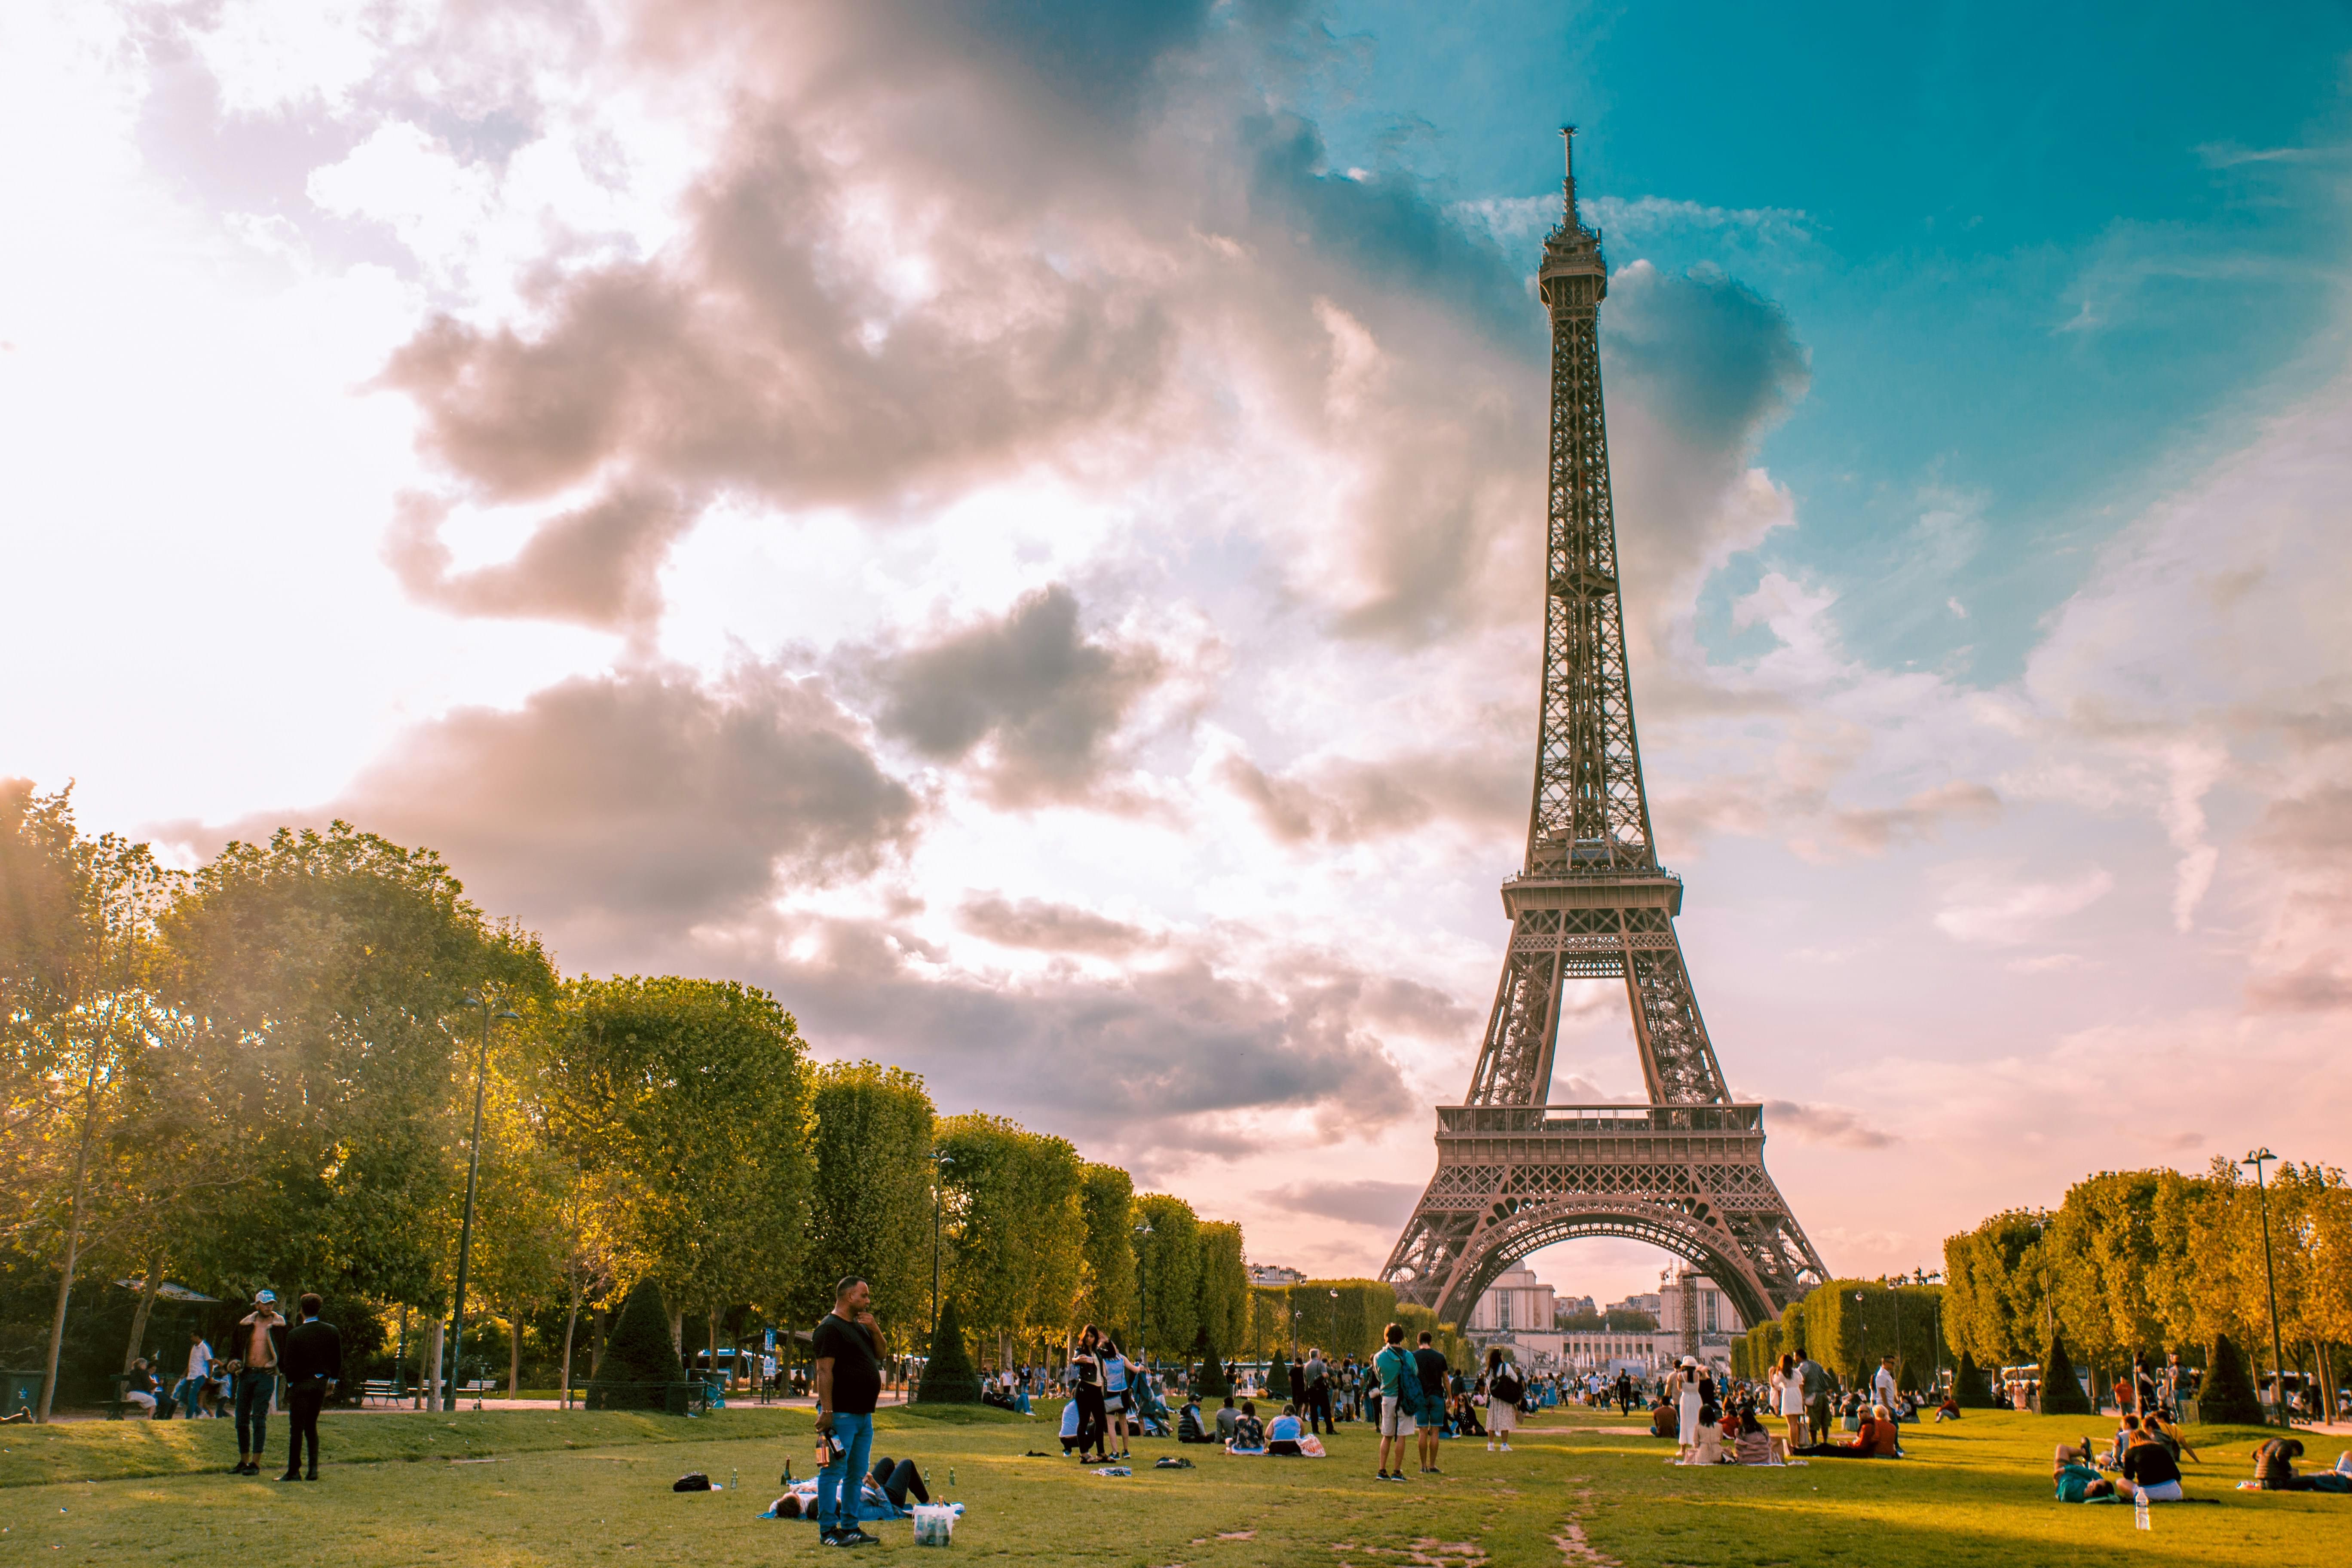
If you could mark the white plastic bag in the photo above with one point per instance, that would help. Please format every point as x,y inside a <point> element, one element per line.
<point>934,1524</point>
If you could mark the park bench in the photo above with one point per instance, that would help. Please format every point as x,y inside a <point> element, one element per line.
<point>478,1387</point>
<point>383,1388</point>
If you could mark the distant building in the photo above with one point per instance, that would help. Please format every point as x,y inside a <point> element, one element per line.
<point>1518,1310</point>
<point>1574,1307</point>
<point>1694,1316</point>
<point>1274,1275</point>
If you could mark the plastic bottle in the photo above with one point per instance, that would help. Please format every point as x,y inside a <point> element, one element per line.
<point>2139,1508</point>
<point>950,1477</point>
<point>734,1479</point>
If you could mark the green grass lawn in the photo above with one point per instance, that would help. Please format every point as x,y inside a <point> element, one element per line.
<point>548,1487</point>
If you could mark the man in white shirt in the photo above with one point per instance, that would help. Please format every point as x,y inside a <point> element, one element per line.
<point>200,1371</point>
<point>1882,1385</point>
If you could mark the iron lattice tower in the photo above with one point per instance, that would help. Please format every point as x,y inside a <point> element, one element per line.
<point>1514,1174</point>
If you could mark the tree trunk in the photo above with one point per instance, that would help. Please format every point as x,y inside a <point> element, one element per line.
<point>73,1232</point>
<point>678,1331</point>
<point>435,1338</point>
<point>154,1283</point>
<point>596,1343</point>
<point>710,1328</point>
<point>571,1326</point>
<point>514,1352</point>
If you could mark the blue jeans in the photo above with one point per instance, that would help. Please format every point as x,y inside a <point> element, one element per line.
<point>253,1392</point>
<point>841,1484</point>
<point>190,1395</point>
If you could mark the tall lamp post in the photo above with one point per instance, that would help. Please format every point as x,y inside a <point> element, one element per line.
<point>1934,1277</point>
<point>940,1163</point>
<point>1142,1289</point>
<point>465,1232</point>
<point>2270,1276</point>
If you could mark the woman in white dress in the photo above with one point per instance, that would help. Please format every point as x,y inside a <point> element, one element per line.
<point>1792,1399</point>
<point>1686,1403</point>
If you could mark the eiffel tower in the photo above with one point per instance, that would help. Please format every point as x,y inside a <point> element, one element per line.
<point>1685,1172</point>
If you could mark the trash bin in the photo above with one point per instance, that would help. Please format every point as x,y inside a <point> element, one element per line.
<point>21,1390</point>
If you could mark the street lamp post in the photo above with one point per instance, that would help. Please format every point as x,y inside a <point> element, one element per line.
<point>940,1163</point>
<point>457,1365</point>
<point>2270,1276</point>
<point>1142,1289</point>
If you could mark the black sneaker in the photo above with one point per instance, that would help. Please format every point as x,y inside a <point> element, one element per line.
<point>858,1538</point>
<point>829,1538</point>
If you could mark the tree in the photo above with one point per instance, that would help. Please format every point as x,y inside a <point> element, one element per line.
<point>870,1201</point>
<point>692,1096</point>
<point>1014,1223</point>
<point>1209,1380</point>
<point>948,1376</point>
<point>1106,1263</point>
<point>2062,1393</point>
<point>1222,1303</point>
<point>640,1360</point>
<point>1277,1378</point>
<point>1169,1262</point>
<point>76,946</point>
<point>1969,1389</point>
<point>2227,1395</point>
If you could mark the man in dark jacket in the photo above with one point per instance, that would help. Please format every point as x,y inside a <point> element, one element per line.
<point>312,1365</point>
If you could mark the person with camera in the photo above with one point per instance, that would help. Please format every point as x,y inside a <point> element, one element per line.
<point>847,1350</point>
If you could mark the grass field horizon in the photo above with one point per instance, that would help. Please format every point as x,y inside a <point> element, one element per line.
<point>561,1487</point>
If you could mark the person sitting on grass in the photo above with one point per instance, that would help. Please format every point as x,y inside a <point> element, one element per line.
<point>1706,1445</point>
<point>2149,1467</point>
<point>1282,1437</point>
<point>1878,1438</point>
<point>1950,1409</point>
<point>2275,1460</point>
<point>2076,1481</point>
<point>1070,1427</point>
<point>1229,1420</point>
<point>1249,1432</point>
<point>2156,1427</point>
<point>1754,1444</point>
<point>1663,1418</point>
<point>1190,1428</point>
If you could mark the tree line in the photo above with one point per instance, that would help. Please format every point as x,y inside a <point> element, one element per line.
<point>2132,1263</point>
<point>2156,1262</point>
<point>264,1072</point>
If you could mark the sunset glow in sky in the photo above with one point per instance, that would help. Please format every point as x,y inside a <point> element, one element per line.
<point>1016,525</point>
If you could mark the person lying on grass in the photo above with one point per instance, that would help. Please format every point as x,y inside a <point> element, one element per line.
<point>2076,1481</point>
<point>1878,1438</point>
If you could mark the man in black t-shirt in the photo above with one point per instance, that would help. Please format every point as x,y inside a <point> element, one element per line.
<point>848,1349</point>
<point>1430,1363</point>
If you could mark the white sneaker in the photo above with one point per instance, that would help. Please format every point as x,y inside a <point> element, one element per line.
<point>1506,1447</point>
<point>1490,1448</point>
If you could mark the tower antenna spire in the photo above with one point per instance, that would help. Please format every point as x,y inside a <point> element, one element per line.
<point>1568,186</point>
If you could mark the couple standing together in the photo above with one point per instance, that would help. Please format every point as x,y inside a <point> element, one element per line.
<point>1412,1400</point>
<point>1102,1380</point>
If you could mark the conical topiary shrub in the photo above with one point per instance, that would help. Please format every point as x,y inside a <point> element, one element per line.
<point>1209,1383</point>
<point>1969,1387</point>
<point>2061,1394</point>
<point>947,1377</point>
<point>640,1362</point>
<point>1277,1379</point>
<point>2227,1392</point>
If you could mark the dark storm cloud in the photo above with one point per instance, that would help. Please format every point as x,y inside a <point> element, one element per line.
<point>1049,927</point>
<point>638,802</point>
<point>1345,801</point>
<point>1712,358</point>
<point>1154,1058</point>
<point>1028,687</point>
<point>1384,1205</point>
<point>596,565</point>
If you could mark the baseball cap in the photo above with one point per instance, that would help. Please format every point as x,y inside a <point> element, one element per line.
<point>265,1298</point>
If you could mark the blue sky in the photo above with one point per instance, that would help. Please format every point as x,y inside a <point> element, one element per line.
<point>1015,524</point>
<point>2041,257</point>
